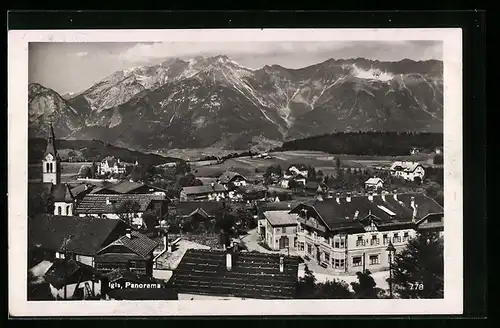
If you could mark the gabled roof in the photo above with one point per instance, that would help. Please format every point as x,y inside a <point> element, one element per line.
<point>253,275</point>
<point>186,208</point>
<point>228,176</point>
<point>197,190</point>
<point>404,166</point>
<point>373,181</point>
<point>390,211</point>
<point>312,185</point>
<point>298,177</point>
<point>276,206</point>
<point>127,275</point>
<point>138,244</point>
<point>88,235</point>
<point>125,187</point>
<point>281,218</point>
<point>67,272</point>
<point>62,193</point>
<point>96,203</point>
<point>80,190</point>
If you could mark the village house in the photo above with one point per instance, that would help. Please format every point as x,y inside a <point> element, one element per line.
<point>101,244</point>
<point>80,238</point>
<point>407,170</point>
<point>118,206</point>
<point>232,178</point>
<point>234,275</point>
<point>281,230</point>
<point>113,165</point>
<point>252,192</point>
<point>374,183</point>
<point>72,280</point>
<point>213,191</point>
<point>128,187</point>
<point>348,234</point>
<point>297,169</point>
<point>299,179</point>
<point>132,252</point>
<point>262,207</point>
<point>197,213</point>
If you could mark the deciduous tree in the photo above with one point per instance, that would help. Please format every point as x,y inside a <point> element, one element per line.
<point>418,270</point>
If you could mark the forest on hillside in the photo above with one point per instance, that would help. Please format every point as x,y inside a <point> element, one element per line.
<point>91,150</point>
<point>367,143</point>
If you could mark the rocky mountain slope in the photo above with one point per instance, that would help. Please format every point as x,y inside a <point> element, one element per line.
<point>213,101</point>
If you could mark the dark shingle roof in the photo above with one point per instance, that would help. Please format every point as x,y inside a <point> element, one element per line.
<point>205,189</point>
<point>138,244</point>
<point>253,275</point>
<point>88,234</point>
<point>96,203</point>
<point>125,187</point>
<point>389,211</point>
<point>228,176</point>
<point>80,190</point>
<point>67,272</point>
<point>62,193</point>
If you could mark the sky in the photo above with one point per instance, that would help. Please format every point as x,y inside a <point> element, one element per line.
<point>68,67</point>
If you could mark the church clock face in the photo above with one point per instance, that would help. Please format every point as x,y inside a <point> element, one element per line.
<point>49,157</point>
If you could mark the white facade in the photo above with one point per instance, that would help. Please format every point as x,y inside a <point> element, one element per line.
<point>296,171</point>
<point>410,171</point>
<point>63,208</point>
<point>50,168</point>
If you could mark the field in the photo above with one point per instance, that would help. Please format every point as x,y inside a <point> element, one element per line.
<point>319,160</point>
<point>68,171</point>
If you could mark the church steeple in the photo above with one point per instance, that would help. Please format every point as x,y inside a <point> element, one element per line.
<point>51,167</point>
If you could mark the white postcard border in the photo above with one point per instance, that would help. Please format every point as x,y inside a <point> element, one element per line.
<point>17,179</point>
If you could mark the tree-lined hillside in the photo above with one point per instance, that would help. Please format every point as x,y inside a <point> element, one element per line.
<point>368,143</point>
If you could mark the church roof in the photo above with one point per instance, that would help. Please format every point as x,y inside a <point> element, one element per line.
<point>51,143</point>
<point>62,193</point>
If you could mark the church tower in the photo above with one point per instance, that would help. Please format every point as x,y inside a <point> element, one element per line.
<point>51,163</point>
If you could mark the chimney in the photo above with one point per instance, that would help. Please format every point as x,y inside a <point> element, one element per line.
<point>319,197</point>
<point>338,198</point>
<point>414,206</point>
<point>128,233</point>
<point>383,196</point>
<point>282,265</point>
<point>108,202</point>
<point>229,260</point>
<point>370,197</point>
<point>348,198</point>
<point>412,202</point>
<point>356,214</point>
<point>395,195</point>
<point>86,187</point>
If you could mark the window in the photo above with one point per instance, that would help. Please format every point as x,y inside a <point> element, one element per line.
<point>301,246</point>
<point>356,261</point>
<point>327,257</point>
<point>337,244</point>
<point>386,239</point>
<point>283,230</point>
<point>295,242</point>
<point>342,243</point>
<point>360,241</point>
<point>59,210</point>
<point>68,210</point>
<point>396,239</point>
<point>338,263</point>
<point>309,248</point>
<point>406,236</point>
<point>51,167</point>
<point>47,167</point>
<point>374,240</point>
<point>374,259</point>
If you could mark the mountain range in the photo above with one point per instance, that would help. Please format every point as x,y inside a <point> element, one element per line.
<point>215,102</point>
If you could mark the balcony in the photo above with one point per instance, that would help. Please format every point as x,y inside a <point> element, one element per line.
<point>396,240</point>
<point>375,242</point>
<point>360,243</point>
